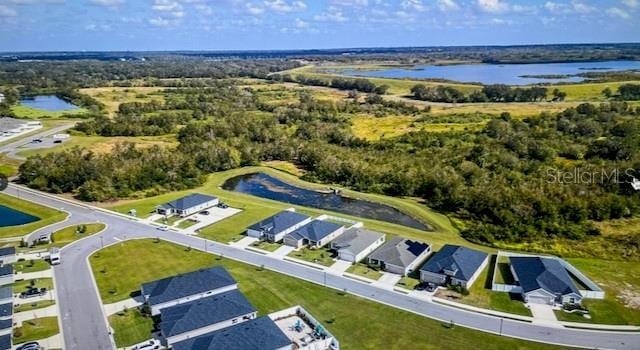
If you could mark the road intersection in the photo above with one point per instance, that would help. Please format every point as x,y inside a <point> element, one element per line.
<point>84,324</point>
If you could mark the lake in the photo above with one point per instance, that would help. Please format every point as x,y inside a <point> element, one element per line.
<point>265,186</point>
<point>510,74</point>
<point>12,217</point>
<point>49,103</point>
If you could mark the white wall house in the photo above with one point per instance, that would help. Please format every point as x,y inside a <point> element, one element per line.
<point>276,227</point>
<point>187,205</point>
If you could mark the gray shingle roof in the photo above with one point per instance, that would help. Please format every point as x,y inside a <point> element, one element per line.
<point>399,251</point>
<point>279,222</point>
<point>180,286</point>
<point>7,251</point>
<point>6,309</point>
<point>258,334</point>
<point>462,262</point>
<point>5,342</point>
<point>189,201</point>
<point>6,292</point>
<point>542,273</point>
<point>4,324</point>
<point>204,312</point>
<point>355,240</point>
<point>6,270</point>
<point>315,230</point>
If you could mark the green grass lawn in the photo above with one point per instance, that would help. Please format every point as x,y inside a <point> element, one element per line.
<point>620,281</point>
<point>319,256</point>
<point>20,286</point>
<point>408,282</point>
<point>358,323</point>
<point>8,166</point>
<point>187,223</point>
<point>30,306</point>
<point>481,295</point>
<point>36,329</point>
<point>130,327</point>
<point>169,221</point>
<point>256,209</point>
<point>571,317</point>
<point>47,216</point>
<point>70,234</point>
<point>268,246</point>
<point>22,111</point>
<point>503,272</point>
<point>364,270</point>
<point>31,266</point>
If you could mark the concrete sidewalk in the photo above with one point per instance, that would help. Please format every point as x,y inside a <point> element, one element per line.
<point>281,252</point>
<point>387,281</point>
<point>339,267</point>
<point>543,314</point>
<point>33,275</point>
<point>48,311</point>
<point>110,309</point>
<point>244,242</point>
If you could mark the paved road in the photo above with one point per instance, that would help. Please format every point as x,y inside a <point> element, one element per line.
<point>84,325</point>
<point>12,149</point>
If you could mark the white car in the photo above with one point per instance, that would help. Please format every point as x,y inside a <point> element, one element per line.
<point>163,228</point>
<point>148,345</point>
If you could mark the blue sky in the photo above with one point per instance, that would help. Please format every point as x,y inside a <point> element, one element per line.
<point>298,24</point>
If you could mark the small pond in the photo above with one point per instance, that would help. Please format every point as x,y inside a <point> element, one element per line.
<point>49,103</point>
<point>12,217</point>
<point>265,186</point>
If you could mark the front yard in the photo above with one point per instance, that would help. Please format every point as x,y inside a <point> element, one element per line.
<point>357,322</point>
<point>27,266</point>
<point>35,329</point>
<point>362,269</point>
<point>130,327</point>
<point>320,256</point>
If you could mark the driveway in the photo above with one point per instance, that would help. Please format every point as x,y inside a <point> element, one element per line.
<point>244,242</point>
<point>281,252</point>
<point>215,214</point>
<point>544,314</point>
<point>387,281</point>
<point>339,267</point>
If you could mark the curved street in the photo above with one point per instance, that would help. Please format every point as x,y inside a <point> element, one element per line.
<point>84,325</point>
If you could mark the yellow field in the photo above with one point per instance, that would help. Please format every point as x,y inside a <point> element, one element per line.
<point>112,97</point>
<point>375,128</point>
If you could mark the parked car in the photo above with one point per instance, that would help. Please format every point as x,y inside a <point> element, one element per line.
<point>36,141</point>
<point>223,205</point>
<point>32,345</point>
<point>431,287</point>
<point>163,228</point>
<point>57,141</point>
<point>204,212</point>
<point>33,292</point>
<point>148,345</point>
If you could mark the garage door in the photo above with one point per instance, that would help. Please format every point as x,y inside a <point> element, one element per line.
<point>540,300</point>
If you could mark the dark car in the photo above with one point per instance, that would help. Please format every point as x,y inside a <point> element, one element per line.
<point>204,212</point>
<point>33,292</point>
<point>33,345</point>
<point>36,140</point>
<point>222,205</point>
<point>57,141</point>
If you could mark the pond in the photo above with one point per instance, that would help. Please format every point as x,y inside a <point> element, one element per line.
<point>265,186</point>
<point>49,103</point>
<point>12,217</point>
<point>510,74</point>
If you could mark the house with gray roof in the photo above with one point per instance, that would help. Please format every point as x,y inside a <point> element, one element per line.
<point>274,228</point>
<point>6,275</point>
<point>399,255</point>
<point>187,205</point>
<point>6,342</point>
<point>6,311</point>
<point>7,255</point>
<point>454,265</point>
<point>315,234</point>
<point>6,326</point>
<point>205,315</point>
<point>544,281</point>
<point>257,334</point>
<point>6,294</point>
<point>187,287</point>
<point>356,243</point>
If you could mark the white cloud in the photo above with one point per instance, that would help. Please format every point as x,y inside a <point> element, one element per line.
<point>333,14</point>
<point>581,7</point>
<point>168,8</point>
<point>568,8</point>
<point>254,9</point>
<point>97,27</point>
<point>350,3</point>
<point>631,3</point>
<point>6,11</point>
<point>160,22</point>
<point>284,6</point>
<point>413,5</point>
<point>108,3</point>
<point>618,12</point>
<point>204,9</point>
<point>301,24</point>
<point>493,6</point>
<point>448,5</point>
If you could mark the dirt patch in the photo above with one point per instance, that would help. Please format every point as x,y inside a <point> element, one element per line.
<point>448,294</point>
<point>630,298</point>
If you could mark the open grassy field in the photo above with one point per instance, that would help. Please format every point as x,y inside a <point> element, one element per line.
<point>47,216</point>
<point>374,326</point>
<point>70,234</point>
<point>130,327</point>
<point>255,209</point>
<point>35,329</point>
<point>8,166</point>
<point>102,144</point>
<point>22,111</point>
<point>112,97</point>
<point>375,128</point>
<point>27,266</point>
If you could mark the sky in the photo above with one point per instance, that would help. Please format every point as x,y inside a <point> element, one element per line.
<point>139,25</point>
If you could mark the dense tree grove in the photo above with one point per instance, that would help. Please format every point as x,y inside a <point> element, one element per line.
<point>489,93</point>
<point>514,180</point>
<point>629,91</point>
